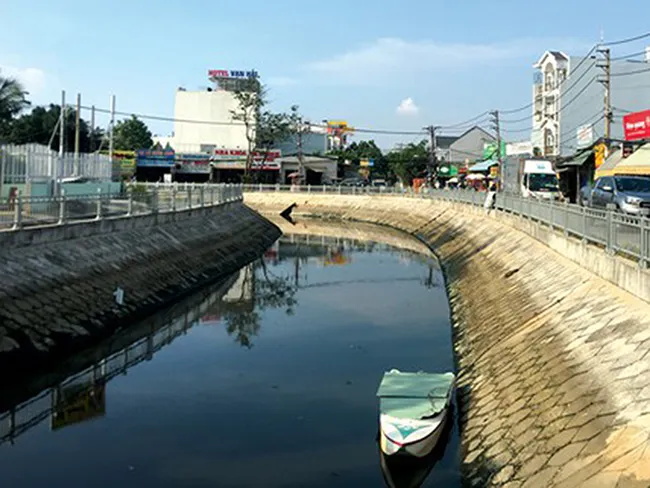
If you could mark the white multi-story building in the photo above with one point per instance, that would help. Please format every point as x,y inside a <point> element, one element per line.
<point>552,69</point>
<point>203,122</point>
<point>568,99</point>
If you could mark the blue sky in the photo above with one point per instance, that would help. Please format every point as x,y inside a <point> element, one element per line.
<point>356,61</point>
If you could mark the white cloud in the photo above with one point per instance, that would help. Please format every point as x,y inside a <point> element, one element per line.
<point>407,107</point>
<point>394,58</point>
<point>33,79</point>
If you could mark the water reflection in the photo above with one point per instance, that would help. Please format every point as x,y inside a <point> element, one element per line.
<point>313,323</point>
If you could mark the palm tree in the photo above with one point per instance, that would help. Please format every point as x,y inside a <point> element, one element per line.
<point>12,100</point>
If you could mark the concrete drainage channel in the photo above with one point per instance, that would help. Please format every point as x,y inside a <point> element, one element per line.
<point>554,378</point>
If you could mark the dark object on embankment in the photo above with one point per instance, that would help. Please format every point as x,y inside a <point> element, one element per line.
<point>286,213</point>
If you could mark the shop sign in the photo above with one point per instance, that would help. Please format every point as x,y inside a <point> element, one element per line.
<point>636,126</point>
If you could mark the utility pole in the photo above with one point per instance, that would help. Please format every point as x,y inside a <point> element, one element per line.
<point>92,128</point>
<point>497,130</point>
<point>300,156</point>
<point>62,125</point>
<point>76,135</point>
<point>433,148</point>
<point>112,127</point>
<point>59,177</point>
<point>606,66</point>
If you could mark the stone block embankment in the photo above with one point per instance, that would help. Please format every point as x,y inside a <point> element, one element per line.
<point>554,361</point>
<point>57,287</point>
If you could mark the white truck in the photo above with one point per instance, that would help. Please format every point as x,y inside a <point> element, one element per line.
<point>530,178</point>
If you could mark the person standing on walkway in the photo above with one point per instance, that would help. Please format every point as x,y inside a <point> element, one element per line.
<point>491,198</point>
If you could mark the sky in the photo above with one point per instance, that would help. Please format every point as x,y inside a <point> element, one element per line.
<point>383,64</point>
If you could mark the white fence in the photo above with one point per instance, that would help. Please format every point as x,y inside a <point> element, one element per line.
<point>19,212</point>
<point>614,231</point>
<point>35,162</point>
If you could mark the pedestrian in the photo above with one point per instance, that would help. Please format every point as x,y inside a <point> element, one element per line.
<point>491,198</point>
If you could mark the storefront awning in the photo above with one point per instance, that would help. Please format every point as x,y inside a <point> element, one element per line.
<point>637,163</point>
<point>607,168</point>
<point>577,160</point>
<point>482,166</point>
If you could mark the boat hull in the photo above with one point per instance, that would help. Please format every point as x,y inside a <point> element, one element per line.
<point>410,437</point>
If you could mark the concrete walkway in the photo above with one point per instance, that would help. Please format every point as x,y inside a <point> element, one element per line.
<point>554,363</point>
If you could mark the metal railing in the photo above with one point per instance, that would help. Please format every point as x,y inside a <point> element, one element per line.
<point>612,230</point>
<point>19,211</point>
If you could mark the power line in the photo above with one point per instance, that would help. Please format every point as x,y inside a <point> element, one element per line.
<point>473,119</point>
<point>506,121</point>
<point>589,120</point>
<point>515,110</point>
<point>628,56</point>
<point>379,131</point>
<point>513,131</point>
<point>584,88</point>
<point>165,119</point>
<point>575,83</point>
<point>625,41</point>
<point>240,124</point>
<point>629,73</point>
<point>587,56</point>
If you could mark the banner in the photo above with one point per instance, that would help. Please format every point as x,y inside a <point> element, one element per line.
<point>637,126</point>
<point>584,135</point>
<point>600,153</point>
<point>515,148</point>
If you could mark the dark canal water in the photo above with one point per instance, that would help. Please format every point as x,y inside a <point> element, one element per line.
<point>266,380</point>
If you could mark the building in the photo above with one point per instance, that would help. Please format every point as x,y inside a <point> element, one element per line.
<point>443,143</point>
<point>569,99</point>
<point>220,131</point>
<point>552,69</point>
<point>313,143</point>
<point>318,170</point>
<point>470,146</point>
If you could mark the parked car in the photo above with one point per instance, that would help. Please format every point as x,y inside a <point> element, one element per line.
<point>354,182</point>
<point>630,194</point>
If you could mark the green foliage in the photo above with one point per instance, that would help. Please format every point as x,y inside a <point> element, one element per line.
<point>409,161</point>
<point>39,127</point>
<point>13,100</point>
<point>268,291</point>
<point>357,151</point>
<point>131,134</point>
<point>272,128</point>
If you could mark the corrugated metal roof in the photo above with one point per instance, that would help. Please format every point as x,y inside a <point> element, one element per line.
<point>482,166</point>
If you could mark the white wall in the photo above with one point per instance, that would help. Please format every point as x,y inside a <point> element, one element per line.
<point>212,106</point>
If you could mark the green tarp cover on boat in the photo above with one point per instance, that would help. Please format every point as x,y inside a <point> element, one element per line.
<point>414,395</point>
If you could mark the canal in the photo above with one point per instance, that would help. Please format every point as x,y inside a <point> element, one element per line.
<point>266,379</point>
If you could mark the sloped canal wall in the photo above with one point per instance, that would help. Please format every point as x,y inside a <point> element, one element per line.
<point>553,361</point>
<point>58,283</point>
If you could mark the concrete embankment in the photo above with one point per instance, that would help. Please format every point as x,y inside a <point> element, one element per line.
<point>58,283</point>
<point>554,363</point>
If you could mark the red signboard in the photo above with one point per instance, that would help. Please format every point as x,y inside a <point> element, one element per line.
<point>637,126</point>
<point>271,155</point>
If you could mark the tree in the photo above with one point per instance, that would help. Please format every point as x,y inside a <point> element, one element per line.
<point>13,100</point>
<point>268,291</point>
<point>409,161</point>
<point>251,98</point>
<point>132,134</point>
<point>272,128</point>
<point>41,126</point>
<point>357,151</point>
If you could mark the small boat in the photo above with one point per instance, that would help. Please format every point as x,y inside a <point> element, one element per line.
<point>413,409</point>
